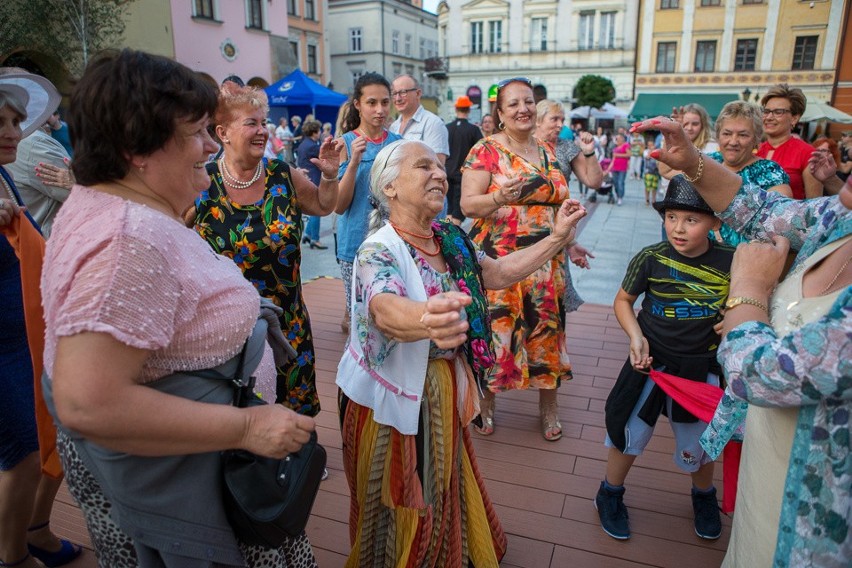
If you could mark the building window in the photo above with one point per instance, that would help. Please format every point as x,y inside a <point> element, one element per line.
<point>424,51</point>
<point>292,7</point>
<point>804,54</point>
<point>397,69</point>
<point>666,51</point>
<point>355,40</point>
<point>669,4</point>
<point>254,14</point>
<point>409,70</point>
<point>294,52</point>
<point>395,42</point>
<point>477,41</point>
<point>752,1</point>
<point>746,55</point>
<point>444,40</point>
<point>495,36</point>
<point>310,11</point>
<point>312,59</point>
<point>407,45</point>
<point>705,56</point>
<point>606,39</point>
<point>538,34</point>
<point>711,3</point>
<point>204,9</point>
<point>587,32</point>
<point>356,75</point>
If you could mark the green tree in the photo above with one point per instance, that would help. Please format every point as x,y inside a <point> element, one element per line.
<point>71,31</point>
<point>594,91</point>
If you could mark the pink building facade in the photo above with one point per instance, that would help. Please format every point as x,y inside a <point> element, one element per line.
<point>247,38</point>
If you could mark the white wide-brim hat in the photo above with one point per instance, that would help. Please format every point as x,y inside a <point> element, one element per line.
<point>37,94</point>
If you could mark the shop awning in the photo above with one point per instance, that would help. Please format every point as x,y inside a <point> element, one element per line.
<point>823,111</point>
<point>648,105</point>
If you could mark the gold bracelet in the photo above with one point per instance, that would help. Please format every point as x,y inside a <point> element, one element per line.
<point>494,197</point>
<point>323,178</point>
<point>698,173</point>
<point>732,303</point>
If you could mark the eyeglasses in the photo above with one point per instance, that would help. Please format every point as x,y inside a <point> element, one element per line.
<point>402,92</point>
<point>778,112</point>
<point>505,82</point>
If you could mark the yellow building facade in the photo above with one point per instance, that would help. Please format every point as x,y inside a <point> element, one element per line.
<point>738,47</point>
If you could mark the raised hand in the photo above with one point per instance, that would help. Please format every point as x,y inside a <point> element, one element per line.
<point>678,151</point>
<point>565,223</point>
<point>822,165</point>
<point>579,255</point>
<point>329,156</point>
<point>586,142</point>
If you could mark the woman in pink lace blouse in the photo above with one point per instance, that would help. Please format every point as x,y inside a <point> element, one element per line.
<point>136,304</point>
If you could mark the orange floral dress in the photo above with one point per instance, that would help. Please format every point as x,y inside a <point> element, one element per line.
<point>528,318</point>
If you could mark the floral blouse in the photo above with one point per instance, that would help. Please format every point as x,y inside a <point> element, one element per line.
<point>376,272</point>
<point>810,368</point>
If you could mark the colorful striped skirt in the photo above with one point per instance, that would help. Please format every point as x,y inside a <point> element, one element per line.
<point>418,501</point>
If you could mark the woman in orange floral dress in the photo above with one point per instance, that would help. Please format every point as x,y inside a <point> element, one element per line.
<point>512,187</point>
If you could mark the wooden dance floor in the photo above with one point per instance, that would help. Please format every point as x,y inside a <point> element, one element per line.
<point>542,491</point>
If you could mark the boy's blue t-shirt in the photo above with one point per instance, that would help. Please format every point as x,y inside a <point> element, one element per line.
<point>682,296</point>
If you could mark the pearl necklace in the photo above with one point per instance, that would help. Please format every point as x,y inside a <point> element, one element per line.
<point>234,182</point>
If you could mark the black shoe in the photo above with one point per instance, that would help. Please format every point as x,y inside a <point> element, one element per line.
<point>306,240</point>
<point>708,523</point>
<point>612,512</point>
<point>593,197</point>
<point>318,245</point>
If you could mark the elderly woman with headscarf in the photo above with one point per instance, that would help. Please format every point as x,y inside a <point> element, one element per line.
<point>420,341</point>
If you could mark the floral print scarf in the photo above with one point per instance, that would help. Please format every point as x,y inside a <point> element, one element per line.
<point>460,256</point>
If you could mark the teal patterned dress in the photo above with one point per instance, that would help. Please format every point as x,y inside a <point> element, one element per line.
<point>263,240</point>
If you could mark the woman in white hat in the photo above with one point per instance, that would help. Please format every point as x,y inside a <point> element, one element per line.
<point>26,101</point>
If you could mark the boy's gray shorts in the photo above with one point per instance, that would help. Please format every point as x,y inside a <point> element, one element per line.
<point>688,455</point>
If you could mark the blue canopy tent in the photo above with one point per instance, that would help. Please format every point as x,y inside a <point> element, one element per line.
<point>298,94</point>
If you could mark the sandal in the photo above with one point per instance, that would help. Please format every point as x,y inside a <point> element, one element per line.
<point>67,552</point>
<point>551,428</point>
<point>486,412</point>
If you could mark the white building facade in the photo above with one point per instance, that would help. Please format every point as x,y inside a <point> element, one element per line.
<point>551,42</point>
<point>383,36</point>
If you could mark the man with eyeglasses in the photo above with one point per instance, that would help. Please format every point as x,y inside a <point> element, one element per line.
<point>783,105</point>
<point>414,121</point>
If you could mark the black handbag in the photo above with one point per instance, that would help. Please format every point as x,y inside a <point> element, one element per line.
<point>268,500</point>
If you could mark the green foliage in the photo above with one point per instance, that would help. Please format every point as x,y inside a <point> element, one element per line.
<point>594,91</point>
<point>71,31</point>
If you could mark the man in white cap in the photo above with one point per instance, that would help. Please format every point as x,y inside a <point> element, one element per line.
<point>414,121</point>
<point>462,137</point>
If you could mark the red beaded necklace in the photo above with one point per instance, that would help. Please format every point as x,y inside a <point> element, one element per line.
<point>379,140</point>
<point>430,236</point>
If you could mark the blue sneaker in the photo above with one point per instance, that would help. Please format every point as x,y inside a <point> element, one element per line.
<point>612,512</point>
<point>708,523</point>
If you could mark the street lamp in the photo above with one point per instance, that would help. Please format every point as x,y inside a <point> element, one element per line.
<point>746,94</point>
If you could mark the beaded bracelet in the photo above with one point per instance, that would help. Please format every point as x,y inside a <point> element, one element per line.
<point>331,179</point>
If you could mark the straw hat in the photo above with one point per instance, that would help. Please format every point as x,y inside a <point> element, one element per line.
<point>36,94</point>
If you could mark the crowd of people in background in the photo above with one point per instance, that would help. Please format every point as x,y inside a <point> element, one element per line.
<point>454,243</point>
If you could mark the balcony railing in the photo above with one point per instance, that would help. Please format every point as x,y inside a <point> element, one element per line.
<point>437,67</point>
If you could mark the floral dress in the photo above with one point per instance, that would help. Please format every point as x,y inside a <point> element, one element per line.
<point>527,318</point>
<point>263,240</point>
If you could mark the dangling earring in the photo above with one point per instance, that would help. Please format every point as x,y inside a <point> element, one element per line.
<point>500,125</point>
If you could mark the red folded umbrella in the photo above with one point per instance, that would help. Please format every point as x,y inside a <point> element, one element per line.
<point>701,400</point>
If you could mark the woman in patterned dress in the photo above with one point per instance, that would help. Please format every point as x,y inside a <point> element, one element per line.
<point>583,162</point>
<point>420,340</point>
<point>252,213</point>
<point>512,187</point>
<point>739,129</point>
<point>786,351</point>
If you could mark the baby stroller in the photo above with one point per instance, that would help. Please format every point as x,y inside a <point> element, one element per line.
<point>605,190</point>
